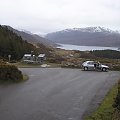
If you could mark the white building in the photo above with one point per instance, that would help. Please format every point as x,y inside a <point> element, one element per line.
<point>29,58</point>
<point>41,57</point>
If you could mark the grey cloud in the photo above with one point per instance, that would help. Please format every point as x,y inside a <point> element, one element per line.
<point>43,16</point>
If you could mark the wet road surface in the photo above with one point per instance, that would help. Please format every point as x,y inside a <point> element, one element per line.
<point>54,94</point>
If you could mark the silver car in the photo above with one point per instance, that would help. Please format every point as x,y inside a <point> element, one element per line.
<point>93,65</point>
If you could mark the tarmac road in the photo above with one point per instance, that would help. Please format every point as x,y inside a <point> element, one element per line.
<point>54,94</point>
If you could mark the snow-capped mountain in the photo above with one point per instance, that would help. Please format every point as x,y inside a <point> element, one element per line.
<point>93,29</point>
<point>88,29</point>
<point>90,36</point>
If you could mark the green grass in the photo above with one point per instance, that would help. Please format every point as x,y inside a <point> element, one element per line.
<point>54,65</point>
<point>25,65</point>
<point>105,110</point>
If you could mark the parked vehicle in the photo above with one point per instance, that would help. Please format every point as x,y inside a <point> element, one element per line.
<point>93,65</point>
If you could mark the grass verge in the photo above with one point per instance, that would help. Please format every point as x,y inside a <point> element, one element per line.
<point>25,65</point>
<point>105,110</point>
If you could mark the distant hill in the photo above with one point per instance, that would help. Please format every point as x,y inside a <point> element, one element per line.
<point>90,36</point>
<point>44,41</point>
<point>14,45</point>
<point>32,38</point>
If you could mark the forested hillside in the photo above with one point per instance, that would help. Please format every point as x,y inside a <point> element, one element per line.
<point>111,54</point>
<point>12,44</point>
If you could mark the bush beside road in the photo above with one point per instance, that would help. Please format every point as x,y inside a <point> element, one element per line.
<point>10,73</point>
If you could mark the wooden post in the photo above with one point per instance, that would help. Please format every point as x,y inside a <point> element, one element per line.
<point>9,56</point>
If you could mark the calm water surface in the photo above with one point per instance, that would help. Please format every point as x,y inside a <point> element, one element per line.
<point>84,48</point>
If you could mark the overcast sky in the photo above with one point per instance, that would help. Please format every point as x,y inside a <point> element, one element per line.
<point>44,16</point>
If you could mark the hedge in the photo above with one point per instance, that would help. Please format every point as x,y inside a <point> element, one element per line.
<point>10,73</point>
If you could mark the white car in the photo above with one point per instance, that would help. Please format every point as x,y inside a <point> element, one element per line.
<point>93,65</point>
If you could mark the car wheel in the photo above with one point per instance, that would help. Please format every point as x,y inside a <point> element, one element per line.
<point>85,68</point>
<point>104,69</point>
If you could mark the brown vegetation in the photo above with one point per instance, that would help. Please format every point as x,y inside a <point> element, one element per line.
<point>9,73</point>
